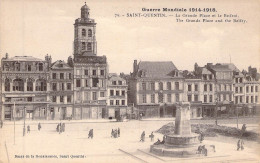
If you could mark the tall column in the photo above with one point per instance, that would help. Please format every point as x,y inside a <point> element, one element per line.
<point>11,87</point>
<point>25,86</point>
<point>34,86</point>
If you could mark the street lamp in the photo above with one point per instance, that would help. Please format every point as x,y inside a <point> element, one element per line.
<point>216,111</point>
<point>24,109</point>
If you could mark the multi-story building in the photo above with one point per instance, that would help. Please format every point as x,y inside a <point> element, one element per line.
<point>206,89</point>
<point>90,70</point>
<point>25,85</point>
<point>117,98</point>
<point>192,93</point>
<point>246,92</point>
<point>61,92</point>
<point>155,87</point>
<point>223,87</point>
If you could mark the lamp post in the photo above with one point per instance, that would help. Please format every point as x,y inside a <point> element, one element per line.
<point>24,109</point>
<point>216,111</point>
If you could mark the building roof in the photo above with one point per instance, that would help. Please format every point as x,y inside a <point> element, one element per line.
<point>219,67</point>
<point>114,76</point>
<point>231,66</point>
<point>23,58</point>
<point>204,70</point>
<point>85,6</point>
<point>59,64</point>
<point>156,69</point>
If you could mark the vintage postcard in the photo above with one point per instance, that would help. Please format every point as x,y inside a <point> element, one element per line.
<point>113,81</point>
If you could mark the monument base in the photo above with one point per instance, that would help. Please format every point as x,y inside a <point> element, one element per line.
<point>191,151</point>
<point>175,140</point>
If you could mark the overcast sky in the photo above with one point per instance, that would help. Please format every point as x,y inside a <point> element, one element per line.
<point>38,27</point>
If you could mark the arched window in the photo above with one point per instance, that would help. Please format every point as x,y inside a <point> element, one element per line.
<point>18,85</point>
<point>41,85</point>
<point>40,66</point>
<point>83,32</point>
<point>29,85</point>
<point>89,46</point>
<point>83,47</point>
<point>89,33</point>
<point>7,85</point>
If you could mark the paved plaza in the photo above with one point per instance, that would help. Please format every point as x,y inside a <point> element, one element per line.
<point>73,145</point>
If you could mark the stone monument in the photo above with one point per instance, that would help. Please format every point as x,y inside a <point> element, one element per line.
<point>182,142</point>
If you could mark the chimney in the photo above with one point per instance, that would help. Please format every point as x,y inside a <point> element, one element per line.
<point>135,67</point>
<point>6,56</point>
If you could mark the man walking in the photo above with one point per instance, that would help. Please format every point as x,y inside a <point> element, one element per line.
<point>28,129</point>
<point>151,136</point>
<point>39,126</point>
<point>118,132</point>
<point>143,137</point>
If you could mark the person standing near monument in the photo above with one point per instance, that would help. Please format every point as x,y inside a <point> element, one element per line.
<point>238,145</point>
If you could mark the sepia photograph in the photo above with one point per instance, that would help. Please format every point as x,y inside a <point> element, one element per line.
<point>114,81</point>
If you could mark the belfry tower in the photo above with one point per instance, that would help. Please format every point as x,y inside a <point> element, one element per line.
<point>84,35</point>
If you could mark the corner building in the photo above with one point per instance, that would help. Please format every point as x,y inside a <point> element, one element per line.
<point>90,71</point>
<point>25,88</point>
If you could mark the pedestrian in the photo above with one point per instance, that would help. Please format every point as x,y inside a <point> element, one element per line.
<point>142,136</point>
<point>57,128</point>
<point>158,142</point>
<point>1,123</point>
<point>199,149</point>
<point>118,132</point>
<point>28,129</point>
<point>115,133</point>
<point>63,127</point>
<point>242,145</point>
<point>60,131</point>
<point>243,130</point>
<point>201,136</point>
<point>112,133</point>
<point>90,134</point>
<point>163,141</point>
<point>238,144</point>
<point>151,136</point>
<point>39,126</point>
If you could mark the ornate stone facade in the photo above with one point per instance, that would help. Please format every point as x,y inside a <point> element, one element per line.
<point>25,85</point>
